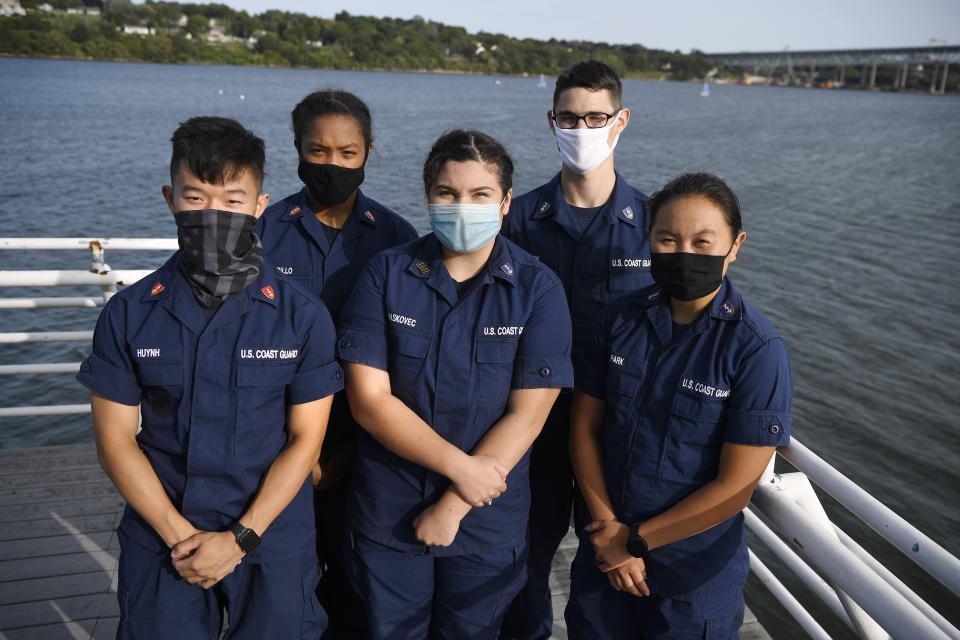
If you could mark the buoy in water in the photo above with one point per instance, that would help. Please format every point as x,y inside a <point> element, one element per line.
<point>243,97</point>
<point>220,92</point>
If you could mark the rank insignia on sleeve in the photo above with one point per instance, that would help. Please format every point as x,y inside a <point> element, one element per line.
<point>295,210</point>
<point>422,267</point>
<point>507,268</point>
<point>269,292</point>
<point>627,213</point>
<point>369,216</point>
<point>727,308</point>
<point>157,288</point>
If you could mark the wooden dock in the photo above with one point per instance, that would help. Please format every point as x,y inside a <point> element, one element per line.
<point>58,549</point>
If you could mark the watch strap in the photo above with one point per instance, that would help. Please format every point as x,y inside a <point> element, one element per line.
<point>247,539</point>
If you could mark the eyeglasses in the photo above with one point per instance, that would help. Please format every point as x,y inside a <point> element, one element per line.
<point>593,120</point>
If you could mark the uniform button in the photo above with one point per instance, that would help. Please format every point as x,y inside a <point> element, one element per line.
<point>774,429</point>
<point>85,367</point>
<point>337,375</point>
<point>545,371</point>
<point>345,343</point>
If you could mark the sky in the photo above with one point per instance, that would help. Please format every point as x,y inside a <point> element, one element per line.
<point>707,25</point>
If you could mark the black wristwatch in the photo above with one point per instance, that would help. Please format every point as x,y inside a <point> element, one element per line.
<point>636,545</point>
<point>246,538</point>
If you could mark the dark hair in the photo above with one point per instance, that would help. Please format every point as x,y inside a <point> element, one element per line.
<point>706,185</point>
<point>462,145</point>
<point>216,150</point>
<point>326,102</point>
<point>592,75</point>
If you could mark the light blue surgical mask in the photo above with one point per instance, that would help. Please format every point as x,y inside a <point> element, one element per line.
<point>465,227</point>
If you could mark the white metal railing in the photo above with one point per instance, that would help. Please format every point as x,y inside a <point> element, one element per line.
<point>865,595</point>
<point>100,274</point>
<point>862,593</point>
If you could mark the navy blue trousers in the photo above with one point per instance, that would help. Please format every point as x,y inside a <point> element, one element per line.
<point>261,600</point>
<point>530,616</point>
<point>597,611</point>
<point>410,596</point>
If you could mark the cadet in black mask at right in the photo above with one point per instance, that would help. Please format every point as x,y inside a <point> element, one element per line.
<point>323,236</point>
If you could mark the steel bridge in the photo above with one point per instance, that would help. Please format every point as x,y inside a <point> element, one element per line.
<point>939,57</point>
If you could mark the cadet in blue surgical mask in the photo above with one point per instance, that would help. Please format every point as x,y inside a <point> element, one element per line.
<point>456,345</point>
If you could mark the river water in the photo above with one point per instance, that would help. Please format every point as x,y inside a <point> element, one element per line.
<point>851,204</point>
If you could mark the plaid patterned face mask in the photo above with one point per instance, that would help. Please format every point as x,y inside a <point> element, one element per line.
<point>220,253</point>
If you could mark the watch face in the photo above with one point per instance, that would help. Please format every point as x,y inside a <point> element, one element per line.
<point>637,546</point>
<point>249,541</point>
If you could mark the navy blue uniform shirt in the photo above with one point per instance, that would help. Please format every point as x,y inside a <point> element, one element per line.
<point>213,397</point>
<point>298,244</point>
<point>671,403</point>
<point>453,362</point>
<point>606,261</point>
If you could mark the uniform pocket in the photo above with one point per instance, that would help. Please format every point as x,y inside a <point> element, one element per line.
<point>162,384</point>
<point>724,625</point>
<point>628,280</point>
<point>694,439</point>
<point>260,392</point>
<point>161,374</point>
<point>314,619</point>
<point>623,393</point>
<point>494,360</point>
<point>408,349</point>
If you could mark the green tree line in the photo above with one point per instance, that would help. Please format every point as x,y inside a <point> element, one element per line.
<point>298,40</point>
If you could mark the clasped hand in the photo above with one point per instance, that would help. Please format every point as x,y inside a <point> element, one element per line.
<point>206,557</point>
<point>436,526</point>
<point>480,479</point>
<point>625,572</point>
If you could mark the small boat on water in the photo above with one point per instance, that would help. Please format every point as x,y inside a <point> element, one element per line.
<point>705,91</point>
<point>543,82</point>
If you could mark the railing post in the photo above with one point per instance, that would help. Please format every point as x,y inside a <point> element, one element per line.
<point>797,486</point>
<point>100,267</point>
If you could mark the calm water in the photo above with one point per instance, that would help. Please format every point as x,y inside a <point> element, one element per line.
<point>851,203</point>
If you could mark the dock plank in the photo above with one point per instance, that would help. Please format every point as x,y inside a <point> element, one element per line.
<point>27,529</point>
<point>58,557</point>
<point>34,547</point>
<point>85,607</point>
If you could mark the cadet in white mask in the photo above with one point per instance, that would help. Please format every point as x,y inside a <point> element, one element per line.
<point>588,225</point>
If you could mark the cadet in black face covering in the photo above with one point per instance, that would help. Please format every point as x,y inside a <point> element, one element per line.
<point>220,253</point>
<point>686,394</point>
<point>323,236</point>
<point>233,370</point>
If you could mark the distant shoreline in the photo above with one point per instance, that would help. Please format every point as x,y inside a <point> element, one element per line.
<point>631,76</point>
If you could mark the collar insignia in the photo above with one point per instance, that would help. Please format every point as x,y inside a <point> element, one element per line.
<point>369,216</point>
<point>507,268</point>
<point>422,267</point>
<point>295,210</point>
<point>727,308</point>
<point>653,295</point>
<point>627,213</point>
<point>544,207</point>
<point>269,292</point>
<point>157,288</point>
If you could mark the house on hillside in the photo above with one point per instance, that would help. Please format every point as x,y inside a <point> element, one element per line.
<point>139,30</point>
<point>11,8</point>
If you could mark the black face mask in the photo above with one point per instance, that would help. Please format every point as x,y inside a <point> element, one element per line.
<point>329,184</point>
<point>220,253</point>
<point>687,276</point>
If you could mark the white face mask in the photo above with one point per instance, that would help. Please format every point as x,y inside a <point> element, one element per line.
<point>583,150</point>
